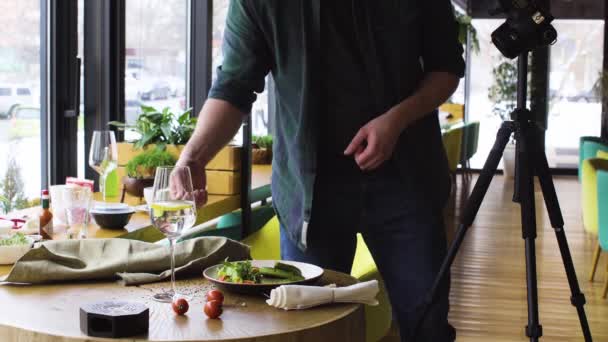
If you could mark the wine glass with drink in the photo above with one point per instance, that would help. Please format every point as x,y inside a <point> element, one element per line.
<point>103,156</point>
<point>172,210</point>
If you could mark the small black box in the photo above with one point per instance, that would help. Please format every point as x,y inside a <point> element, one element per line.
<point>114,319</point>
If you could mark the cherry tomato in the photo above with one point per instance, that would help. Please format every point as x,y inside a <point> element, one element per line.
<point>180,306</point>
<point>213,309</point>
<point>215,295</point>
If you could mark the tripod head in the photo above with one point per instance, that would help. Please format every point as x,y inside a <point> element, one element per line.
<point>528,27</point>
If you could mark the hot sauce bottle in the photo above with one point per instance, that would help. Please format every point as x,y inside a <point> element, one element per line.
<point>46,217</point>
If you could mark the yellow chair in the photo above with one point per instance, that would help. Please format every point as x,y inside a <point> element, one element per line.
<point>452,142</point>
<point>265,244</point>
<point>594,179</point>
<point>589,190</point>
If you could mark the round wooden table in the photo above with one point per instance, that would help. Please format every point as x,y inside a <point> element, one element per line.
<point>50,313</point>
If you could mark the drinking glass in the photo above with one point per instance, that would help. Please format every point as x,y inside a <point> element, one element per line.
<point>77,203</point>
<point>172,210</point>
<point>103,156</point>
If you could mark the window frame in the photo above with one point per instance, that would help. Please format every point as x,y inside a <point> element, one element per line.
<point>198,68</point>
<point>58,90</point>
<point>104,69</point>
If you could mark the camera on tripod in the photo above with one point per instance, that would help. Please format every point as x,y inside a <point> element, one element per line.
<point>528,26</point>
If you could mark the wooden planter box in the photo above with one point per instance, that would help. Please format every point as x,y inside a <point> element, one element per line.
<point>223,171</point>
<point>261,156</point>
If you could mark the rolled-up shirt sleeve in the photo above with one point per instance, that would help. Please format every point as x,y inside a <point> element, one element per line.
<point>247,58</point>
<point>442,51</point>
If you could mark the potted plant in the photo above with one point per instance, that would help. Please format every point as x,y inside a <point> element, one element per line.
<point>161,128</point>
<point>261,152</point>
<point>504,95</point>
<point>140,171</point>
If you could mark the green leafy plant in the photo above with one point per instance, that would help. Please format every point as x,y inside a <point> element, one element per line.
<point>11,189</point>
<point>4,202</point>
<point>145,164</point>
<point>160,127</point>
<point>262,141</point>
<point>465,26</point>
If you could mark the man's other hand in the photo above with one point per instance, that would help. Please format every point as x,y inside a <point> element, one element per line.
<point>375,142</point>
<point>199,183</point>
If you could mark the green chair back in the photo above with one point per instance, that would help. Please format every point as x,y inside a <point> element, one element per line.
<point>588,147</point>
<point>470,140</point>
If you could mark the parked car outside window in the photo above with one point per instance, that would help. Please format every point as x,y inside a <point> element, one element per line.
<point>12,96</point>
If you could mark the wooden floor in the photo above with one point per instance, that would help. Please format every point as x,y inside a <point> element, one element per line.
<point>488,298</point>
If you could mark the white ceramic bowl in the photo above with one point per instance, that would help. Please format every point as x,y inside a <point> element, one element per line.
<point>10,254</point>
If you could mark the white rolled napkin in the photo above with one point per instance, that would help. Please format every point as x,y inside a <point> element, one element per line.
<point>296,297</point>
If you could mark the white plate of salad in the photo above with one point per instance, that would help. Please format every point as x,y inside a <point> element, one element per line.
<point>12,248</point>
<point>261,276</point>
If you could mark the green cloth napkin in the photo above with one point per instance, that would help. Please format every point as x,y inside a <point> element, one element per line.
<point>133,262</point>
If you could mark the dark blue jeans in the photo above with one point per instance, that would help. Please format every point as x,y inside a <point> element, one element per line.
<point>405,237</point>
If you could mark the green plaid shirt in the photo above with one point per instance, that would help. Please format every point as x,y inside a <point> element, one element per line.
<point>403,39</point>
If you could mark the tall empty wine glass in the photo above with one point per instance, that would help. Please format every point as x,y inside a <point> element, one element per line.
<point>103,156</point>
<point>172,210</point>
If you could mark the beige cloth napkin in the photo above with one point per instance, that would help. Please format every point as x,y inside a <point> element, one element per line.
<point>295,297</point>
<point>133,262</point>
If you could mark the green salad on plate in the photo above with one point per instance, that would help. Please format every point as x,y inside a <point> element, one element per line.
<point>15,240</point>
<point>243,272</point>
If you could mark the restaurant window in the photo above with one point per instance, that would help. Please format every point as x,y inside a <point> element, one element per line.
<point>259,111</point>
<point>481,107</point>
<point>575,106</point>
<point>20,113</point>
<point>155,57</point>
<point>575,103</point>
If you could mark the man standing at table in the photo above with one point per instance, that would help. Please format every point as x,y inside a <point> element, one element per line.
<point>357,146</point>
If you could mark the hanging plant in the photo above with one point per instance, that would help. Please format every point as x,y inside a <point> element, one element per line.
<point>465,26</point>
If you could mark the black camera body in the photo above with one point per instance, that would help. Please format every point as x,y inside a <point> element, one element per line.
<point>528,26</point>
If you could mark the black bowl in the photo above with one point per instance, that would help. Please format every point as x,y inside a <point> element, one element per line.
<point>116,219</point>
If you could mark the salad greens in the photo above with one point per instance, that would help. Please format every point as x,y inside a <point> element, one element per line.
<point>17,239</point>
<point>239,272</point>
<point>243,272</point>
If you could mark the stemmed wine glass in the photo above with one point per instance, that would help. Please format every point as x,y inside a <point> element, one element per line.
<point>172,210</point>
<point>103,156</point>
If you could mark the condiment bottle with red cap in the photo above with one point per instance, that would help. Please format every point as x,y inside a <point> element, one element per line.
<point>46,217</point>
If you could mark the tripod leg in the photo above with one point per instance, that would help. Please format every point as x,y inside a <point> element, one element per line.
<point>557,222</point>
<point>466,220</point>
<point>596,259</point>
<point>524,186</point>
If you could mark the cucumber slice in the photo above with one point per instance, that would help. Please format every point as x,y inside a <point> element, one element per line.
<point>281,274</point>
<point>288,268</point>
